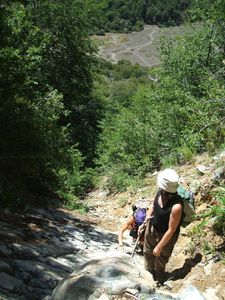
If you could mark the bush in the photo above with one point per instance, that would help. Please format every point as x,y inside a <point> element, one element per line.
<point>138,26</point>
<point>71,202</point>
<point>217,211</point>
<point>100,32</point>
<point>186,154</point>
<point>118,181</point>
<point>170,160</point>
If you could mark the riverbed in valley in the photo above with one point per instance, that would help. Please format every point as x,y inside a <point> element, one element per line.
<point>137,47</point>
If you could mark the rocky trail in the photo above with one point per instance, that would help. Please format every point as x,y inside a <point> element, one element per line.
<point>41,247</point>
<point>189,264</point>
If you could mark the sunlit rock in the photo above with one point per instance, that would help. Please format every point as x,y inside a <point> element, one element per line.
<point>110,276</point>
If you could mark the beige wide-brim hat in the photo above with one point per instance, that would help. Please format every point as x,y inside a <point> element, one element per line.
<point>168,180</point>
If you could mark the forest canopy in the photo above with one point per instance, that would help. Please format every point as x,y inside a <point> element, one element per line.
<point>129,15</point>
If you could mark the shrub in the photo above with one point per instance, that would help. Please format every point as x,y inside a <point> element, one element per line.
<point>216,212</point>
<point>186,153</point>
<point>170,160</point>
<point>71,202</point>
<point>118,181</point>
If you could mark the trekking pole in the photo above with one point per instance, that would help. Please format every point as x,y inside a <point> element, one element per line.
<point>136,244</point>
<point>137,241</point>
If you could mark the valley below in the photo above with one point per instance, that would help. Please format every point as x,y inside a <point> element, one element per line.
<point>137,47</point>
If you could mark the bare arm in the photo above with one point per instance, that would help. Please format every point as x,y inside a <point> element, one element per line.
<point>126,226</point>
<point>174,221</point>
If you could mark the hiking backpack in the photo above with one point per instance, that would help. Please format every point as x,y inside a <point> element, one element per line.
<point>188,205</point>
<point>139,216</point>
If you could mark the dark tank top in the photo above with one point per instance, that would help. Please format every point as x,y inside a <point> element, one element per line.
<point>161,215</point>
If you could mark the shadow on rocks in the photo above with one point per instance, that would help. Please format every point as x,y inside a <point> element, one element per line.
<point>189,263</point>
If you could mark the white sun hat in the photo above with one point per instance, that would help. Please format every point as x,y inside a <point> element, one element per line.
<point>168,180</point>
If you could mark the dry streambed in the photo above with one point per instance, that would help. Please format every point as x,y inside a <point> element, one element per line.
<point>137,47</point>
<point>46,248</point>
<point>41,247</point>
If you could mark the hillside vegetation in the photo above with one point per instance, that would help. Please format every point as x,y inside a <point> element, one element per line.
<point>125,16</point>
<point>67,116</point>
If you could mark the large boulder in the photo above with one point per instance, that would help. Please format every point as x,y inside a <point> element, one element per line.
<point>108,277</point>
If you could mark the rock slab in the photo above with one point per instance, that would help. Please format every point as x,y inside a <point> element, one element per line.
<point>109,277</point>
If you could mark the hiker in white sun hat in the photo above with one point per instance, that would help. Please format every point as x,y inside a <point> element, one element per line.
<point>168,180</point>
<point>162,224</point>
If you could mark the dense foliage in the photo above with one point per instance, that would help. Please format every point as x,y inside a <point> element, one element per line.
<point>180,113</point>
<point>129,15</point>
<point>46,75</point>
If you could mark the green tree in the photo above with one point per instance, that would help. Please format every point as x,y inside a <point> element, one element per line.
<point>30,109</point>
<point>45,81</point>
<point>197,65</point>
<point>69,64</point>
<point>131,15</point>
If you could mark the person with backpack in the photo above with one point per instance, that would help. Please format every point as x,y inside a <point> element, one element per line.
<point>132,224</point>
<point>162,224</point>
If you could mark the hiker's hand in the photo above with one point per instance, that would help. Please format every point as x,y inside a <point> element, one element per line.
<point>141,228</point>
<point>157,251</point>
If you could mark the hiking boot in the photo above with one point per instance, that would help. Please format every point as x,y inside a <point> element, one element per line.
<point>160,277</point>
